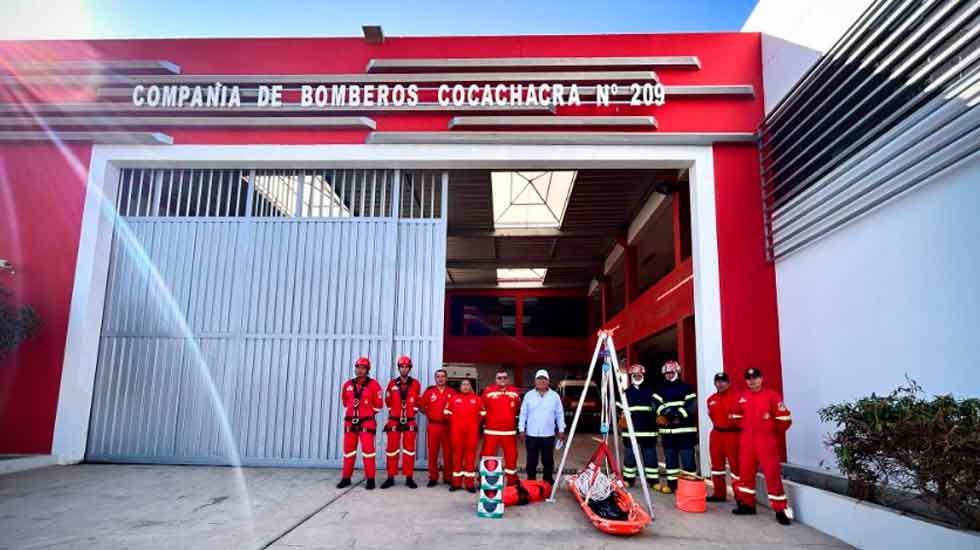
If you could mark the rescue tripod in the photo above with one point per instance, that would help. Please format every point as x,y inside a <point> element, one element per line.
<point>608,390</point>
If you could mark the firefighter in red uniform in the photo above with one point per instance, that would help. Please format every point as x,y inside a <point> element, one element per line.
<point>465,410</point>
<point>433,405</point>
<point>764,419</point>
<point>723,440</point>
<point>402,397</point>
<point>361,397</point>
<point>503,403</point>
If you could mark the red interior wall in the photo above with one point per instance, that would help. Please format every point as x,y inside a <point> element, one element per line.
<point>518,350</point>
<point>42,192</point>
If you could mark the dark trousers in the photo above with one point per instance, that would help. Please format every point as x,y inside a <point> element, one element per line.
<point>543,447</point>
<point>648,446</point>
<point>678,460</point>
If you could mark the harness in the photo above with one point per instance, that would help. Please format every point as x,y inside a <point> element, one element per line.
<point>402,422</point>
<point>355,421</point>
<point>727,430</point>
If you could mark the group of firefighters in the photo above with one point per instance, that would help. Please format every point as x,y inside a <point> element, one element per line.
<point>454,425</point>
<point>746,433</point>
<point>747,429</point>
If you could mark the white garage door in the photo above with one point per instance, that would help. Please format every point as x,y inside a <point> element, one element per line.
<point>238,301</point>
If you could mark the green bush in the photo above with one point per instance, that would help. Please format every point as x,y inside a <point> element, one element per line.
<point>17,323</point>
<point>927,448</point>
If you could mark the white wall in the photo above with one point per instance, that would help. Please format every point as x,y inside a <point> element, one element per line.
<point>795,33</point>
<point>895,292</point>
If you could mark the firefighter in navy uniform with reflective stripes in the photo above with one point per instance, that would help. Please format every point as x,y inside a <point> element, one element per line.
<point>675,404</point>
<point>639,399</point>
<point>402,397</point>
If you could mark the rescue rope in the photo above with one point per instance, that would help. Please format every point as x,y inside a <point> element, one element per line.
<point>595,485</point>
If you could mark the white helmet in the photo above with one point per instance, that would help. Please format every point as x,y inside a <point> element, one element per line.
<point>671,366</point>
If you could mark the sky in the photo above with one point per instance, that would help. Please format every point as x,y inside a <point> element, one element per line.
<point>50,19</point>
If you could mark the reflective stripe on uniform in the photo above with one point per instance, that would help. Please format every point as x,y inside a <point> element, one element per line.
<point>370,455</point>
<point>457,474</point>
<point>684,413</point>
<point>673,470</point>
<point>736,416</point>
<point>651,470</point>
<point>495,432</point>
<point>641,408</point>
<point>690,396</point>
<point>746,490</point>
<point>509,471</point>
<point>783,417</point>
<point>629,470</point>
<point>409,453</point>
<point>350,454</point>
<point>718,472</point>
<point>392,453</point>
<point>735,477</point>
<point>658,398</point>
<point>678,430</point>
<point>671,478</point>
<point>469,474</point>
<point>780,497</point>
<point>645,434</point>
<point>447,411</point>
<point>483,413</point>
<point>670,404</point>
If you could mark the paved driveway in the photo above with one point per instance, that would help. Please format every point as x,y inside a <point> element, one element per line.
<point>190,507</point>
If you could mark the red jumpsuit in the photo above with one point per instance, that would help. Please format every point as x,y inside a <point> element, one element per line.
<point>465,412</point>
<point>362,400</point>
<point>764,418</point>
<point>433,404</point>
<point>723,440</point>
<point>503,405</point>
<point>402,397</point>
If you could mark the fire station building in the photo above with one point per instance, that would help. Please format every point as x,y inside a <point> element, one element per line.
<point>212,231</point>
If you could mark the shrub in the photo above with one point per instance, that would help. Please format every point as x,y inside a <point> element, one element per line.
<point>17,323</point>
<point>928,448</point>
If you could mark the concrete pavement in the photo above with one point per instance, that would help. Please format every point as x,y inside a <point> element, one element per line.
<point>191,507</point>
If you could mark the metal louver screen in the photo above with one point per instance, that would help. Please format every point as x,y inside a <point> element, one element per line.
<point>891,106</point>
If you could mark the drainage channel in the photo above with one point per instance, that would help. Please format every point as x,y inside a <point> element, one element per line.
<point>306,518</point>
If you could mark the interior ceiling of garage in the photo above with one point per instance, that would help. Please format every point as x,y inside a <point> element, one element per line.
<point>601,205</point>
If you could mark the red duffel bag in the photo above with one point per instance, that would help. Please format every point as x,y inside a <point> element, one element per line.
<point>526,492</point>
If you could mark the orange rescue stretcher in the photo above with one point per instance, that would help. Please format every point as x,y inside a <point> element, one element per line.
<point>637,517</point>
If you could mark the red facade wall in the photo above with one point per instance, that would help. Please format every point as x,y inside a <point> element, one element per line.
<point>42,192</point>
<point>42,186</point>
<point>749,325</point>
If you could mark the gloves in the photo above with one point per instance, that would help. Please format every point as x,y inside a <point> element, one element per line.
<point>622,423</point>
<point>661,420</point>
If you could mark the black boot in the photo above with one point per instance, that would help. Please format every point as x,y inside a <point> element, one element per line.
<point>370,484</point>
<point>447,482</point>
<point>716,498</point>
<point>453,488</point>
<point>344,482</point>
<point>782,518</point>
<point>389,483</point>
<point>471,489</point>
<point>432,483</point>
<point>744,510</point>
<point>410,483</point>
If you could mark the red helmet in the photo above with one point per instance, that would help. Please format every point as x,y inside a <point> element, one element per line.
<point>404,360</point>
<point>363,362</point>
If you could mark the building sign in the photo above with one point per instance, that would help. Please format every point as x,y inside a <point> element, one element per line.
<point>219,95</point>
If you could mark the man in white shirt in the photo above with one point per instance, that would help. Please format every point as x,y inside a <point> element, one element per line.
<point>542,419</point>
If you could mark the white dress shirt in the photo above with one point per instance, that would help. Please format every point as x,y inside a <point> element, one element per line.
<point>541,414</point>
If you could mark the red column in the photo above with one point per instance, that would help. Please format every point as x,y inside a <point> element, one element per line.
<point>687,349</point>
